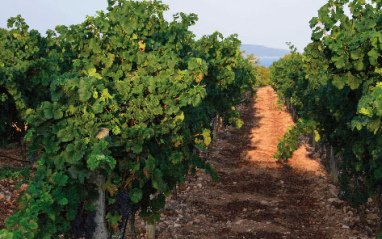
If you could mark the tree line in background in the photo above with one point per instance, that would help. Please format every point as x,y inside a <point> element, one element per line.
<point>336,88</point>
<point>118,105</point>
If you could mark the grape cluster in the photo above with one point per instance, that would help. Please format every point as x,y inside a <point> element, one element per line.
<point>83,225</point>
<point>123,206</point>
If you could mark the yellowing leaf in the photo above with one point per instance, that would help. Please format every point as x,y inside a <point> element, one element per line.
<point>142,46</point>
<point>317,136</point>
<point>365,111</point>
<point>207,137</point>
<point>179,118</point>
<point>105,95</point>
<point>110,187</point>
<point>93,72</point>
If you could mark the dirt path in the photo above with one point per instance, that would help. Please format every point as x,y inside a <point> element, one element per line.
<point>256,197</point>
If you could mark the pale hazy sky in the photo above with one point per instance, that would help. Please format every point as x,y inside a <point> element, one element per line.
<point>263,22</point>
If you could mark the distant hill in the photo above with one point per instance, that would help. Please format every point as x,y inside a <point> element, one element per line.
<point>266,55</point>
<point>263,51</point>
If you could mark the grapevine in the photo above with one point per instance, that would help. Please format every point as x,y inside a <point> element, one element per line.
<point>126,96</point>
<point>338,85</point>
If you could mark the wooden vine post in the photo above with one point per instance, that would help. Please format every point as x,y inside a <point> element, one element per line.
<point>150,230</point>
<point>333,167</point>
<point>100,231</point>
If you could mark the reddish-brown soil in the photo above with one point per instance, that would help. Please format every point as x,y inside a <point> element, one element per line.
<point>8,190</point>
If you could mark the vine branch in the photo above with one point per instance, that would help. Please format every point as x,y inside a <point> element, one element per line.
<point>14,159</point>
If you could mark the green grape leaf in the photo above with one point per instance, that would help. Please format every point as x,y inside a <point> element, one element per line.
<point>338,82</point>
<point>157,180</point>
<point>136,195</point>
<point>158,202</point>
<point>60,179</point>
<point>137,148</point>
<point>83,91</point>
<point>150,163</point>
<point>99,159</point>
<point>373,57</point>
<point>58,114</point>
<point>116,130</point>
<point>78,173</point>
<point>4,234</point>
<point>63,201</point>
<point>95,160</point>
<point>374,125</point>
<point>353,81</point>
<point>47,109</point>
<point>65,134</point>
<point>56,96</point>
<point>177,157</point>
<point>113,219</point>
<point>340,63</point>
<point>358,65</point>
<point>97,107</point>
<point>317,35</point>
<point>355,55</point>
<point>378,173</point>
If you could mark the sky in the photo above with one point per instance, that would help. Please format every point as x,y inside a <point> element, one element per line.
<point>270,23</point>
